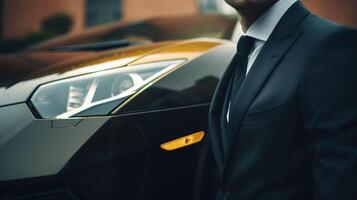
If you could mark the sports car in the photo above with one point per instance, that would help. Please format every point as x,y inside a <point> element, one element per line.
<point>108,119</point>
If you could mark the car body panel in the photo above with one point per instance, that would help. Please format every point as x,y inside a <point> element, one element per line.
<point>36,148</point>
<point>193,83</point>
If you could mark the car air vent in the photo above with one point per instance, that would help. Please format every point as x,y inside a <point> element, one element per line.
<point>98,46</point>
<point>63,194</point>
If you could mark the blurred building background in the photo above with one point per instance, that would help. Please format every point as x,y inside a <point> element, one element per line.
<point>21,18</point>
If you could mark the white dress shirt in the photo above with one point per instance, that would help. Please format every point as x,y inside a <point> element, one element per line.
<point>261,30</point>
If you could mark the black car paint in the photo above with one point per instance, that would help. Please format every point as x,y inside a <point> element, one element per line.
<point>123,159</point>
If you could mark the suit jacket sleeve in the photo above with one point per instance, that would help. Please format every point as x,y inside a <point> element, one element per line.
<point>210,177</point>
<point>328,102</point>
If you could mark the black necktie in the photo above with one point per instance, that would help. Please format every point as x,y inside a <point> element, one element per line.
<point>244,47</point>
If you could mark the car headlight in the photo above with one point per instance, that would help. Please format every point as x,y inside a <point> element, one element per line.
<point>96,93</point>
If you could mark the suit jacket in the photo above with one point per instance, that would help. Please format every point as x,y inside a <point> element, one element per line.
<point>293,125</point>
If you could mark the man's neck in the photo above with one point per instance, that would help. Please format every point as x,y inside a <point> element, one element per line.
<point>247,18</point>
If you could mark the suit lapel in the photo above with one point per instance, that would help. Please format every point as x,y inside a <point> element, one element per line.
<point>283,37</point>
<point>215,114</point>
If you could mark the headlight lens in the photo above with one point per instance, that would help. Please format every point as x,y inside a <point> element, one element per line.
<point>96,93</point>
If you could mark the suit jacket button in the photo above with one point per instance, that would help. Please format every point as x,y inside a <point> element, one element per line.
<point>226,195</point>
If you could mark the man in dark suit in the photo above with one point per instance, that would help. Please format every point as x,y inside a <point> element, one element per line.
<point>283,120</point>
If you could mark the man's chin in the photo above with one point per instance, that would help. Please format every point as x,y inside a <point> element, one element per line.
<point>235,3</point>
<point>245,5</point>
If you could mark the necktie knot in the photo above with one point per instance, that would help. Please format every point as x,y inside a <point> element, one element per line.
<point>244,46</point>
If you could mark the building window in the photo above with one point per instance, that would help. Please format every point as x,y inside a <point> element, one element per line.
<point>100,12</point>
<point>208,6</point>
<point>1,17</point>
<point>215,6</point>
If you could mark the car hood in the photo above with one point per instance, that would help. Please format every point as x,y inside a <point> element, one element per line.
<point>22,73</point>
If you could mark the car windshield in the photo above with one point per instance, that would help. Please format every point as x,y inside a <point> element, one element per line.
<point>153,30</point>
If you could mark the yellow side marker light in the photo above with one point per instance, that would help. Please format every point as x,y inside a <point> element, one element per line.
<point>183,141</point>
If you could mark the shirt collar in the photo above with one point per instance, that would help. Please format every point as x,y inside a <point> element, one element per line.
<point>262,28</point>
